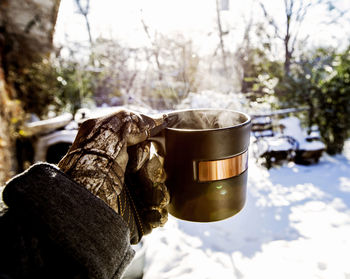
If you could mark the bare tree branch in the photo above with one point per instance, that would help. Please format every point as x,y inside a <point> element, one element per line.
<point>271,21</point>
<point>155,49</point>
<point>294,16</point>
<point>84,12</point>
<point>221,34</point>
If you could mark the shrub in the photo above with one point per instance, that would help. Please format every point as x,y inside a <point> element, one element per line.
<point>320,82</point>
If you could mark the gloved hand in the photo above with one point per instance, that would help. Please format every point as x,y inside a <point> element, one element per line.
<point>112,158</point>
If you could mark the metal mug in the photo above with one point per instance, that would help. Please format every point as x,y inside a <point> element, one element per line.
<point>207,166</point>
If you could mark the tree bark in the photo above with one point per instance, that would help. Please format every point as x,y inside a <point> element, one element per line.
<point>26,33</point>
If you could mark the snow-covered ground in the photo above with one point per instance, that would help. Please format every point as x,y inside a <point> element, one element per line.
<point>295,224</point>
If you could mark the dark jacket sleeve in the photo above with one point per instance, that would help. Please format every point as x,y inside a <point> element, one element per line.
<point>55,228</point>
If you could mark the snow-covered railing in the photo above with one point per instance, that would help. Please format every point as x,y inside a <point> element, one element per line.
<point>279,112</point>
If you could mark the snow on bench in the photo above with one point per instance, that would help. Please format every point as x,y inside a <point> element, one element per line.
<point>291,127</point>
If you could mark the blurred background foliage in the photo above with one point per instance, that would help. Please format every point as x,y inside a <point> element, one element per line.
<point>53,85</point>
<point>319,81</point>
<point>161,74</point>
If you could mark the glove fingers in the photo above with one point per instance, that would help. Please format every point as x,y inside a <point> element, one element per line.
<point>139,154</point>
<point>153,219</point>
<point>142,127</point>
<point>149,192</point>
<point>151,182</point>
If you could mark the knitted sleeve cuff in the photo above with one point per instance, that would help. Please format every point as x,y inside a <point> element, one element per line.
<point>80,223</point>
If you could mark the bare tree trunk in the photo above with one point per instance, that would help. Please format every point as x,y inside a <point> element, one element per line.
<point>155,50</point>
<point>84,12</point>
<point>221,36</point>
<point>25,36</point>
<point>294,20</point>
<point>243,52</point>
<point>288,51</point>
<point>88,29</point>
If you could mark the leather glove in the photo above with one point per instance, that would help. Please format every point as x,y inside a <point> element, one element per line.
<point>112,158</point>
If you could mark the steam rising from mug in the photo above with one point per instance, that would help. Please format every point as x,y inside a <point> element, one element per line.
<point>207,119</point>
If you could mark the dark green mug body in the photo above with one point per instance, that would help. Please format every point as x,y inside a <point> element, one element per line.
<point>207,168</point>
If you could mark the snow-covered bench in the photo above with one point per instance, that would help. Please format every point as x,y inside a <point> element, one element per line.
<point>274,149</point>
<point>307,151</point>
<point>269,144</point>
<point>262,126</point>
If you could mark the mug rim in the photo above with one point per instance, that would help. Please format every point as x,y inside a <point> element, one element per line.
<point>213,129</point>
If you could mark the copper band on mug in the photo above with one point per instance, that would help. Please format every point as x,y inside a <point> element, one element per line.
<point>222,169</point>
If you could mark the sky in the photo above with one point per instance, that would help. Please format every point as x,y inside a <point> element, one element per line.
<point>122,19</point>
<point>195,19</point>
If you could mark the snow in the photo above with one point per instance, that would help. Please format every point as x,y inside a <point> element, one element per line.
<point>262,120</point>
<point>266,133</point>
<point>273,144</point>
<point>292,128</point>
<point>295,224</point>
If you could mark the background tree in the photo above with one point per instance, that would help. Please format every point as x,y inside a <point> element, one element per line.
<point>259,69</point>
<point>155,51</point>
<point>84,9</point>
<point>76,85</point>
<point>115,72</point>
<point>320,82</point>
<point>25,36</point>
<point>295,13</point>
<point>333,103</point>
<point>222,33</point>
<point>180,64</point>
<point>36,86</point>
